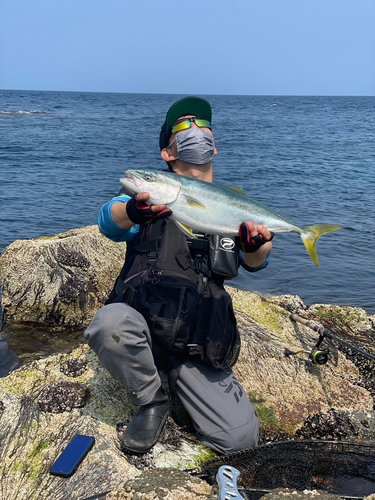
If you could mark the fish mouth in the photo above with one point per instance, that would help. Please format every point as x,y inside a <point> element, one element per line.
<point>134,179</point>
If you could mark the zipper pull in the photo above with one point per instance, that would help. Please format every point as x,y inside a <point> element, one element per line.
<point>205,281</point>
<point>156,275</point>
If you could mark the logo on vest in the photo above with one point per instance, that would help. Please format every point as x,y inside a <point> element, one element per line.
<point>226,244</point>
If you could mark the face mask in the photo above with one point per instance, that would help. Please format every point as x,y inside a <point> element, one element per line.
<point>194,146</point>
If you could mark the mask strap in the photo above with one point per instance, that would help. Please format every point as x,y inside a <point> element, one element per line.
<point>171,144</point>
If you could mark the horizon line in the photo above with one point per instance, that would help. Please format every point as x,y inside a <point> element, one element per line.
<point>184,94</point>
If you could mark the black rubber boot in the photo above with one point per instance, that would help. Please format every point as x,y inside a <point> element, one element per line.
<point>145,427</point>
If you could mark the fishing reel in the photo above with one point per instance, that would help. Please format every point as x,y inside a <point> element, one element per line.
<point>316,356</point>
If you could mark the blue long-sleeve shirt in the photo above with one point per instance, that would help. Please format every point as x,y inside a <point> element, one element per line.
<point>107,225</point>
<point>111,230</point>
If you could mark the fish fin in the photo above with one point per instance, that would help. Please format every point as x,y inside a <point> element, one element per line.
<point>236,189</point>
<point>192,202</point>
<point>310,235</point>
<point>185,229</point>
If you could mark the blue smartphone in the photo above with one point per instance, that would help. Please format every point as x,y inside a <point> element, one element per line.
<point>72,456</point>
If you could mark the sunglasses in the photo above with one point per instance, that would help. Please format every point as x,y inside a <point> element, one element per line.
<point>186,124</point>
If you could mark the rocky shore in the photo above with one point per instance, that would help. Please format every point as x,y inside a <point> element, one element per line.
<point>59,283</point>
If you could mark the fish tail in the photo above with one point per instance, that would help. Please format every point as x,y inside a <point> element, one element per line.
<point>310,235</point>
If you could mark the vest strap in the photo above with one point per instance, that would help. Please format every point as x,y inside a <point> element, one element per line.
<point>151,246</point>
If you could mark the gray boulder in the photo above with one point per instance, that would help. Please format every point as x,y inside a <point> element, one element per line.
<point>289,391</point>
<point>45,403</point>
<point>59,281</point>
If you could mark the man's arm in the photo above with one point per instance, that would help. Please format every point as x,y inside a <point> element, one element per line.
<point>259,257</point>
<point>120,216</point>
<point>120,212</point>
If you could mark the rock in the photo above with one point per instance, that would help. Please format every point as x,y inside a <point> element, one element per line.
<point>42,408</point>
<point>167,484</point>
<point>43,404</point>
<point>282,493</point>
<point>287,391</point>
<point>59,281</point>
<point>285,493</point>
<point>62,282</point>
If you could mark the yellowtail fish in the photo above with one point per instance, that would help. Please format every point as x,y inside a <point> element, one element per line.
<point>214,209</point>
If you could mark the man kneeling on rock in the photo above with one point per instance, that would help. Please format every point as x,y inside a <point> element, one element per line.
<point>168,326</point>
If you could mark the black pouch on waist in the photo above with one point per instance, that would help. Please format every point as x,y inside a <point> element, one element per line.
<point>224,257</point>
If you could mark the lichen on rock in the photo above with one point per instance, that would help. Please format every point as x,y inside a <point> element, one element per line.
<point>72,258</point>
<point>59,281</point>
<point>73,367</point>
<point>63,396</point>
<point>62,281</point>
<point>293,388</point>
<point>42,412</point>
<point>169,484</point>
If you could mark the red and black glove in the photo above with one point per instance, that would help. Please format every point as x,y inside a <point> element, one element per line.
<point>140,213</point>
<point>248,243</point>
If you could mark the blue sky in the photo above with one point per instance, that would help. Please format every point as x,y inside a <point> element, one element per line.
<point>250,47</point>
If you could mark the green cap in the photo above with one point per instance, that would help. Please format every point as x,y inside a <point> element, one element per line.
<point>186,106</point>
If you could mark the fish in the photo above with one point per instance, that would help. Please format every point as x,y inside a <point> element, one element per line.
<point>215,209</point>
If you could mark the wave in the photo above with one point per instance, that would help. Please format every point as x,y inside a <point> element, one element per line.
<point>31,112</point>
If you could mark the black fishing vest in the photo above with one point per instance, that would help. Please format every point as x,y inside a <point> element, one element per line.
<point>176,283</point>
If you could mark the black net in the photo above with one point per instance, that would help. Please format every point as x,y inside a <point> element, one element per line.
<point>344,469</point>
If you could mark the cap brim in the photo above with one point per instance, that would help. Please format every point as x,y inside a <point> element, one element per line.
<point>188,106</point>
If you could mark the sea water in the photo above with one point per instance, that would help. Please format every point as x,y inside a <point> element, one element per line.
<point>310,158</point>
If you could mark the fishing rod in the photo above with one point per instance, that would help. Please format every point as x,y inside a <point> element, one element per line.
<point>317,355</point>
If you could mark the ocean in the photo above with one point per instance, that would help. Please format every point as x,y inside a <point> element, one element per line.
<point>310,158</point>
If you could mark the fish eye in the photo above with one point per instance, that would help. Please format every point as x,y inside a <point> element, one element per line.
<point>148,178</point>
